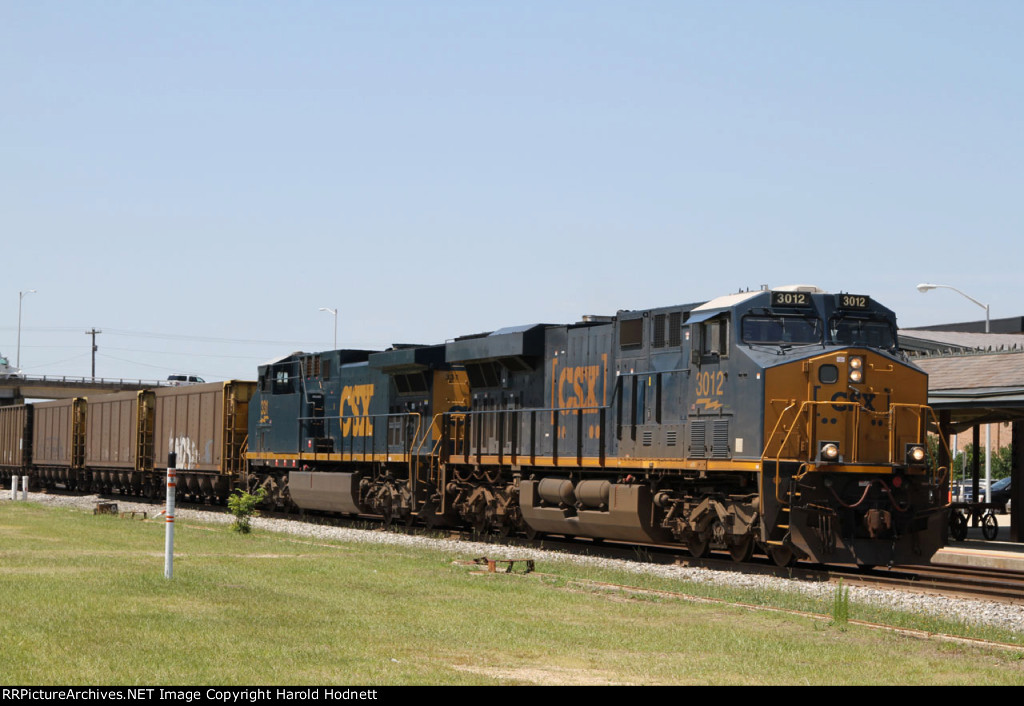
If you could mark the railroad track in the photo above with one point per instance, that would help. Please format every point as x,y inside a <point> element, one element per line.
<point>954,581</point>
<point>959,581</point>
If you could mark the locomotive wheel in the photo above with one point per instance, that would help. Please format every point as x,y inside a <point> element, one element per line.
<point>742,550</point>
<point>699,548</point>
<point>782,555</point>
<point>989,526</point>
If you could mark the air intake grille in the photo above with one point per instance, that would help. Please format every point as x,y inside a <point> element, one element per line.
<point>720,438</point>
<point>697,440</point>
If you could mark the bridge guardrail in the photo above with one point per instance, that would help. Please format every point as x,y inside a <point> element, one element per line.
<point>74,379</point>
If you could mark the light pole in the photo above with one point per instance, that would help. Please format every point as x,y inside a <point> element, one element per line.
<point>21,295</point>
<point>924,287</point>
<point>335,313</point>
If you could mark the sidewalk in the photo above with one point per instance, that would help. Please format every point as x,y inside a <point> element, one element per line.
<point>999,553</point>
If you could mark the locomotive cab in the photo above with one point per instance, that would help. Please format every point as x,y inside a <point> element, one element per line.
<point>846,474</point>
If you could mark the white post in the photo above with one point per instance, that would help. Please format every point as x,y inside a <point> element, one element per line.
<point>14,487</point>
<point>24,488</point>
<point>172,463</point>
<point>988,461</point>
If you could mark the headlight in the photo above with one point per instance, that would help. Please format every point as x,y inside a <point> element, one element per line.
<point>916,454</point>
<point>828,451</point>
<point>856,369</point>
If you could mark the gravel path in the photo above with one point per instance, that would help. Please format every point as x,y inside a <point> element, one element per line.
<point>972,612</point>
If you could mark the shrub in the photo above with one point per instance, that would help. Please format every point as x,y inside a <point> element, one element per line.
<point>243,506</point>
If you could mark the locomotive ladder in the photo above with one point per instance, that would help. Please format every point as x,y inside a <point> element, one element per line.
<point>780,530</point>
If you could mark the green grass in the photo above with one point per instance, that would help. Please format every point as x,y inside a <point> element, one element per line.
<point>86,603</point>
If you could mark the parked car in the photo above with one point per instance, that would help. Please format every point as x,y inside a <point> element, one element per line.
<point>1001,491</point>
<point>963,492</point>
<point>176,380</point>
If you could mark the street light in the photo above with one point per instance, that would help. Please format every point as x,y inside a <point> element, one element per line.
<point>924,287</point>
<point>21,295</point>
<point>335,313</point>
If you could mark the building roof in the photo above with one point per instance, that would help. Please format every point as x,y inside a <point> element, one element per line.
<point>976,387</point>
<point>916,341</point>
<point>974,377</point>
<point>975,370</point>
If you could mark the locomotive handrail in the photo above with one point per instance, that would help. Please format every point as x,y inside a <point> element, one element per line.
<point>517,414</point>
<point>373,435</point>
<point>601,410</point>
<point>435,450</point>
<point>810,431</point>
<point>423,440</point>
<point>782,445</point>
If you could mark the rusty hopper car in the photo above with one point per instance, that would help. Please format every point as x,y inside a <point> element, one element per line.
<point>782,421</point>
<point>58,441</point>
<point>15,440</point>
<point>205,426</point>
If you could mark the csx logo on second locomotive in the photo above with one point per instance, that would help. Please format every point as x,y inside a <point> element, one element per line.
<point>355,408</point>
<point>581,381</point>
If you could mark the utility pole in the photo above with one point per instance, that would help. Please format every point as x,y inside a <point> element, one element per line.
<point>93,333</point>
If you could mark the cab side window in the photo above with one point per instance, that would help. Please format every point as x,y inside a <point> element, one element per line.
<point>710,340</point>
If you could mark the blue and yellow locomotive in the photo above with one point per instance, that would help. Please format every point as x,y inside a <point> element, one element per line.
<point>783,420</point>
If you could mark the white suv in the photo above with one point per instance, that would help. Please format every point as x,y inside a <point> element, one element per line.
<point>176,380</point>
<point>6,371</point>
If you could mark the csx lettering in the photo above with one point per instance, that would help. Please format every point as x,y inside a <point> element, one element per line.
<point>581,381</point>
<point>865,399</point>
<point>355,408</point>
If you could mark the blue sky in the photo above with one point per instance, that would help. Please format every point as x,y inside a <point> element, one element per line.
<point>197,179</point>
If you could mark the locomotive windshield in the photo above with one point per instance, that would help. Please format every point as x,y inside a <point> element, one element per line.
<point>850,331</point>
<point>781,330</point>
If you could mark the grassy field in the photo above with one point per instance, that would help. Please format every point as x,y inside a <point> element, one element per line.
<point>85,602</point>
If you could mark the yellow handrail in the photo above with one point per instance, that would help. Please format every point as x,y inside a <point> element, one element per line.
<point>803,410</point>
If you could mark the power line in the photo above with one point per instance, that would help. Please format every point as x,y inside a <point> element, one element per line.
<point>41,366</point>
<point>166,336</point>
<point>189,354</point>
<point>166,368</point>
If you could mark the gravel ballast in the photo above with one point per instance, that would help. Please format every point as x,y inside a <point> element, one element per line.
<point>970,612</point>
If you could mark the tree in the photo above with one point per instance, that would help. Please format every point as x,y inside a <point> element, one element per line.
<point>1001,461</point>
